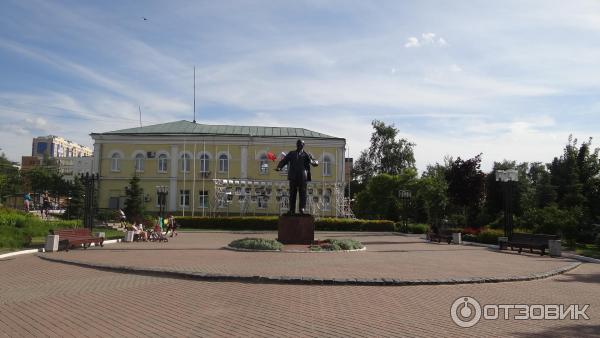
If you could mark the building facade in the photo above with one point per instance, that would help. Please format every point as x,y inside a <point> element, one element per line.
<point>217,169</point>
<point>54,146</point>
<point>70,167</point>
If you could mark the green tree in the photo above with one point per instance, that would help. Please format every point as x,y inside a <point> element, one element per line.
<point>379,199</point>
<point>10,179</point>
<point>466,184</point>
<point>387,154</point>
<point>76,195</point>
<point>432,193</point>
<point>134,203</point>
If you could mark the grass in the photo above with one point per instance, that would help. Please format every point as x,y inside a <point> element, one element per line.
<point>21,230</point>
<point>589,250</point>
<point>256,244</point>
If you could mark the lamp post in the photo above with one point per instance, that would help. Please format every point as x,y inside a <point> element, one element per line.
<point>506,177</point>
<point>405,196</point>
<point>162,192</point>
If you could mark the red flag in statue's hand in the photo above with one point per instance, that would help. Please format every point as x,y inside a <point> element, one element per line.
<point>271,156</point>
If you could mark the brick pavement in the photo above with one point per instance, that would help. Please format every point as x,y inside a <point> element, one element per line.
<point>40,298</point>
<point>387,256</point>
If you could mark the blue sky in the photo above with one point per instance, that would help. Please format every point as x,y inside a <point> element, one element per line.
<point>509,79</point>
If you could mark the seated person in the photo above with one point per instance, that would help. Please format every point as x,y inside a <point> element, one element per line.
<point>171,225</point>
<point>139,230</point>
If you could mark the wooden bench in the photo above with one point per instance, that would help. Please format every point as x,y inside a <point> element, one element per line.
<point>442,235</point>
<point>531,241</point>
<point>71,238</point>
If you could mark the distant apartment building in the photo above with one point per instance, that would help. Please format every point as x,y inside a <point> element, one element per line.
<point>55,146</point>
<point>70,167</point>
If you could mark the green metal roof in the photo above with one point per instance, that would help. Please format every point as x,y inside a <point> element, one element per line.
<point>187,127</point>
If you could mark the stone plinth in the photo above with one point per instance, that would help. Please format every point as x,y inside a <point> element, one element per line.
<point>129,236</point>
<point>502,242</point>
<point>296,229</point>
<point>51,243</point>
<point>554,248</point>
<point>457,238</point>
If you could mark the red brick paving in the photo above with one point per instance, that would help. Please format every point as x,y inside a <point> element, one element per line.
<point>40,298</point>
<point>387,256</point>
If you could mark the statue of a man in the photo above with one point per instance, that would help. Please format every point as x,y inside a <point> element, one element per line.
<point>298,162</point>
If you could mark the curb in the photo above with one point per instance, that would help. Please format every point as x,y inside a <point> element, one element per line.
<point>580,258</point>
<point>300,280</point>
<point>31,251</point>
<point>364,248</point>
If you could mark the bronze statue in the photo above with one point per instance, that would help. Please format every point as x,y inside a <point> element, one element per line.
<point>299,163</point>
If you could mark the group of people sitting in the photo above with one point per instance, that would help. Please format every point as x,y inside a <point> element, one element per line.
<point>157,233</point>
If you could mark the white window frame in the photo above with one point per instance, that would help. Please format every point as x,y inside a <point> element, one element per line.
<point>223,163</point>
<point>163,159</point>
<point>204,162</point>
<point>327,165</point>
<point>115,162</point>
<point>139,160</point>
<point>185,162</point>
<point>184,196</point>
<point>203,200</point>
<point>263,164</point>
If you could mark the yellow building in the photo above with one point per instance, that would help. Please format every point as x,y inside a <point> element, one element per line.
<point>217,169</point>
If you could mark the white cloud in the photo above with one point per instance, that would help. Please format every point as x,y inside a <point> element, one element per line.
<point>426,39</point>
<point>412,42</point>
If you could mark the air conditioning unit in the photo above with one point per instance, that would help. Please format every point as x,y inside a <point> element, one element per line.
<point>151,154</point>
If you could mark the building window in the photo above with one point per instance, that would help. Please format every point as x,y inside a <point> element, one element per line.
<point>185,163</point>
<point>327,199</point>
<point>204,163</point>
<point>223,163</point>
<point>184,198</point>
<point>263,165</point>
<point>203,199</point>
<point>262,202</point>
<point>139,163</point>
<point>326,166</point>
<point>162,163</point>
<point>115,162</point>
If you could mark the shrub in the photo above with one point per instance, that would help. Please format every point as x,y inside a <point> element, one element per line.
<point>469,238</point>
<point>256,244</point>
<point>270,223</point>
<point>17,228</point>
<point>598,240</point>
<point>489,236</point>
<point>417,228</point>
<point>330,244</point>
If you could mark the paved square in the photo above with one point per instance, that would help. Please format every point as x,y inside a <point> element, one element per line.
<point>42,298</point>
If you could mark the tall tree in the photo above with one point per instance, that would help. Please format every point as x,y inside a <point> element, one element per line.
<point>10,179</point>
<point>134,204</point>
<point>432,193</point>
<point>466,184</point>
<point>387,154</point>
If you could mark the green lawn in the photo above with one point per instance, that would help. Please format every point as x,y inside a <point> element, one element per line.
<point>589,250</point>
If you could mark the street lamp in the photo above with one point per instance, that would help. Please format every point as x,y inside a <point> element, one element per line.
<point>405,196</point>
<point>507,176</point>
<point>162,192</point>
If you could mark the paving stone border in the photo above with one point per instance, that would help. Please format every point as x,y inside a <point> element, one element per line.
<point>167,272</point>
<point>227,247</point>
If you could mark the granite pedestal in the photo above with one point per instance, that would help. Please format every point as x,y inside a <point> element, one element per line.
<point>296,229</point>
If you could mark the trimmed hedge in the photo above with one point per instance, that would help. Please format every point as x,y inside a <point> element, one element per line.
<point>270,223</point>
